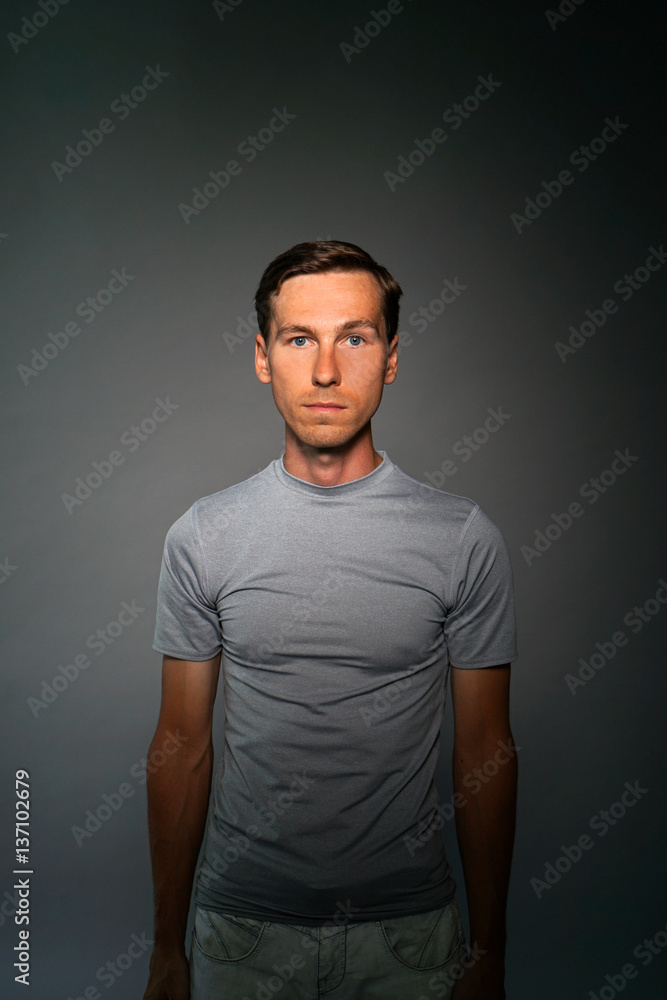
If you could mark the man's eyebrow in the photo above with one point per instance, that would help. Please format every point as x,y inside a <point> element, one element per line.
<point>350,324</point>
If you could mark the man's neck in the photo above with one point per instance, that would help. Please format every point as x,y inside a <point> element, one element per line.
<point>330,468</point>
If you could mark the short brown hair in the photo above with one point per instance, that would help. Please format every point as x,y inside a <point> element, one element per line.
<point>315,258</point>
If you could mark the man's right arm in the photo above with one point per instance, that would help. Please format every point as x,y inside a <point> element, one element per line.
<point>178,793</point>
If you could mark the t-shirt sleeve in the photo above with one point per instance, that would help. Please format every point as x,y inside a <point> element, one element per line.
<point>187,625</point>
<point>480,627</point>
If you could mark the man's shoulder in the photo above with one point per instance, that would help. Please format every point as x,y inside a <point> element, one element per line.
<point>238,493</point>
<point>218,509</point>
<point>462,519</point>
<point>427,497</point>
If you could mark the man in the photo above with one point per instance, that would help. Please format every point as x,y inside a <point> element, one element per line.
<point>340,591</point>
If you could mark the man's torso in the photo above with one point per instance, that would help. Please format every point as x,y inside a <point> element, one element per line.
<point>338,610</point>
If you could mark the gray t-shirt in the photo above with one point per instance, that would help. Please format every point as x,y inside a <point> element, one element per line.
<point>338,610</point>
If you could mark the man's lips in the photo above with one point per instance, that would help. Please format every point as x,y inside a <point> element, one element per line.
<point>324,406</point>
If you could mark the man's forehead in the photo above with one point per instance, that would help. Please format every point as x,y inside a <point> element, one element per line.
<point>336,277</point>
<point>331,289</point>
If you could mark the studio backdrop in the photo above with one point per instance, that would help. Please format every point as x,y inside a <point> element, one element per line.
<point>504,162</point>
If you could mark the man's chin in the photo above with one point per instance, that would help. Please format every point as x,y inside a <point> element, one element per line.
<point>323,437</point>
<point>326,441</point>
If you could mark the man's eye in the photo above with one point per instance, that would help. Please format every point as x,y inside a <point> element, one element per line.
<point>351,336</point>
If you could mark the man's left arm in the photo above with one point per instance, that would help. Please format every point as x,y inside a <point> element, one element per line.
<point>485,778</point>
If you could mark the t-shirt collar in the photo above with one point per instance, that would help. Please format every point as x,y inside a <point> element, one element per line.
<point>341,489</point>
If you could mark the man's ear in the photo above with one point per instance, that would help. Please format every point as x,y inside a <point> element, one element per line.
<point>392,361</point>
<point>262,366</point>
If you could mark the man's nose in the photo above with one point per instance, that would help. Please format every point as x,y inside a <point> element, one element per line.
<point>325,368</point>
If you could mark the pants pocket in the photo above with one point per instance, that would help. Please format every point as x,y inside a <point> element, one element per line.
<point>425,941</point>
<point>224,937</point>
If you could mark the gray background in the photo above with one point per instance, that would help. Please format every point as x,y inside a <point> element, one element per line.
<point>170,335</point>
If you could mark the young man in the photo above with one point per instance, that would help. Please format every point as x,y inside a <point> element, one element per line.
<point>339,591</point>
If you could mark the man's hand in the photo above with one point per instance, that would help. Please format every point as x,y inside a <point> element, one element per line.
<point>482,981</point>
<point>169,976</point>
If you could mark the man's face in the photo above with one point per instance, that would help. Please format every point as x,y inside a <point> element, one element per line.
<point>327,345</point>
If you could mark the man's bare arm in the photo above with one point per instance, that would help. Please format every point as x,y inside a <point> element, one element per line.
<point>178,793</point>
<point>483,744</point>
